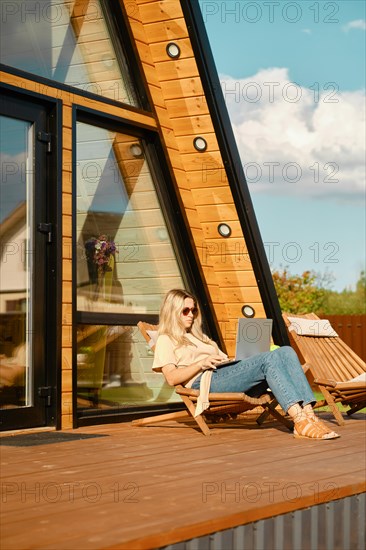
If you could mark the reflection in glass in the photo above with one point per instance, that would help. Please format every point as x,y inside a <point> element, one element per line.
<point>16,191</point>
<point>117,206</point>
<point>67,41</point>
<point>125,264</point>
<point>114,369</point>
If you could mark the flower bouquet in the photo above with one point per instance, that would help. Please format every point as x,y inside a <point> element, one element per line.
<point>99,251</point>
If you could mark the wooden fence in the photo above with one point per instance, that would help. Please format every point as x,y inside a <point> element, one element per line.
<point>352,330</point>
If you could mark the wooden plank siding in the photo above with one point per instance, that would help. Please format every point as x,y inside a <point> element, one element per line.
<point>201,180</point>
<point>69,98</point>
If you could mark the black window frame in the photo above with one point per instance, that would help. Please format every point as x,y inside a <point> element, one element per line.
<point>120,35</point>
<point>51,306</point>
<point>116,20</point>
<point>177,226</point>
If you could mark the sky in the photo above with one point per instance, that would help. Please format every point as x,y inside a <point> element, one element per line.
<point>293,78</point>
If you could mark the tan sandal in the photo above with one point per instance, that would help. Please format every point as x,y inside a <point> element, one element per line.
<point>308,429</point>
<point>323,426</point>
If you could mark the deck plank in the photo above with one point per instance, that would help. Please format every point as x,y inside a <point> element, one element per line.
<point>145,487</point>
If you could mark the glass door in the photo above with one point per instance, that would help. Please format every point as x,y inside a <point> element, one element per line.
<point>25,234</point>
<point>16,262</point>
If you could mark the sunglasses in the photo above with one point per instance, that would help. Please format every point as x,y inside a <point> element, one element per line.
<point>187,310</point>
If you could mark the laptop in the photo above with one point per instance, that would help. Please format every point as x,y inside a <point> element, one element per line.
<point>253,336</point>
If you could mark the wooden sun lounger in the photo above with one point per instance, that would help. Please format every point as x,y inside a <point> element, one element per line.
<point>330,364</point>
<point>221,404</point>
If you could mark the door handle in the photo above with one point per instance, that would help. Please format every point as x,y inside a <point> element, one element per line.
<point>46,392</point>
<point>46,228</point>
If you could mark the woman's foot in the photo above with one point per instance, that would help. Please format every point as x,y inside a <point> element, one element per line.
<point>309,429</point>
<point>322,426</point>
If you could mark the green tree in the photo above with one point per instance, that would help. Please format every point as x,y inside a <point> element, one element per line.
<point>348,301</point>
<point>309,292</point>
<point>299,293</point>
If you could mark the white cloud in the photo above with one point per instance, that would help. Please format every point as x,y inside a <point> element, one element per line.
<point>356,24</point>
<point>295,140</point>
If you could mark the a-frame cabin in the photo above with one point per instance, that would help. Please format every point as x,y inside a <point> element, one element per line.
<point>114,130</point>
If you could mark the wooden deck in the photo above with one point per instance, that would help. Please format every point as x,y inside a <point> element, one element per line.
<point>130,487</point>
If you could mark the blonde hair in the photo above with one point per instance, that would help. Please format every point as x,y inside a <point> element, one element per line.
<point>171,324</point>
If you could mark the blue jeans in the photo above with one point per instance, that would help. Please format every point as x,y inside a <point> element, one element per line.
<point>279,370</point>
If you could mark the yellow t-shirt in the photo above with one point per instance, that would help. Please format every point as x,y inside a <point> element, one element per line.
<point>168,353</point>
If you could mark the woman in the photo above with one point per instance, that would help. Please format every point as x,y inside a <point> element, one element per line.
<point>187,356</point>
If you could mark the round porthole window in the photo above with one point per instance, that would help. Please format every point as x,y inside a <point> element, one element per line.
<point>173,50</point>
<point>136,150</point>
<point>224,229</point>
<point>200,144</point>
<point>248,311</point>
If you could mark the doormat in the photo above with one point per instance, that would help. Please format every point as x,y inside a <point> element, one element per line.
<point>46,438</point>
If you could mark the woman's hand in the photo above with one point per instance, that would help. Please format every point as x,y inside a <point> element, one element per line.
<point>176,376</point>
<point>210,362</point>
